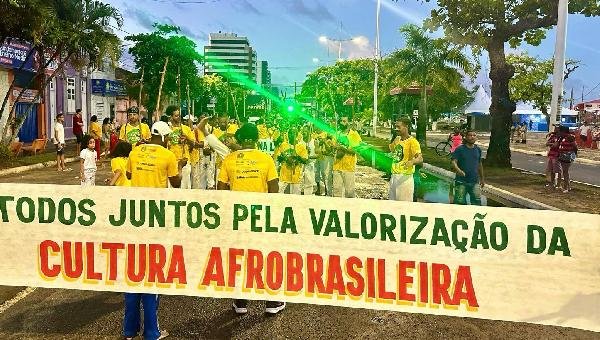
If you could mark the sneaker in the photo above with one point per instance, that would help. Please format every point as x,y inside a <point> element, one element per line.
<point>240,306</point>
<point>565,191</point>
<point>274,307</point>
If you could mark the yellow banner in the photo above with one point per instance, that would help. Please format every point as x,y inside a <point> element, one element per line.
<point>492,263</point>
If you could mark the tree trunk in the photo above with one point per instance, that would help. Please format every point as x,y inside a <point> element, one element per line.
<point>502,107</point>
<point>422,118</point>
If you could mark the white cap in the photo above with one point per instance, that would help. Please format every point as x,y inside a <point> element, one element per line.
<point>187,117</point>
<point>161,129</point>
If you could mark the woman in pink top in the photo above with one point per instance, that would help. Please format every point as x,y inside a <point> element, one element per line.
<point>455,140</point>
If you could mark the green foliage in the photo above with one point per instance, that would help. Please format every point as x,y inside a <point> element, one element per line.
<point>532,80</point>
<point>150,52</point>
<point>488,25</point>
<point>428,62</point>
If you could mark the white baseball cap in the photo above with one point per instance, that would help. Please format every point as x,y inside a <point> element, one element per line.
<point>161,129</point>
<point>187,117</point>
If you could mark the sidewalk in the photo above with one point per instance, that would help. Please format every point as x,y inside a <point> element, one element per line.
<point>536,145</point>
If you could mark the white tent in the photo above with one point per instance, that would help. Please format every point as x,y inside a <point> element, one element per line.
<point>481,103</point>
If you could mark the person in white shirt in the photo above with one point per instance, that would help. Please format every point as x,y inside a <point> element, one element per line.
<point>584,134</point>
<point>58,139</point>
<point>88,157</point>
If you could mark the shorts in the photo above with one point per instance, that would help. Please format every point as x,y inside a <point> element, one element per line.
<point>79,137</point>
<point>60,149</point>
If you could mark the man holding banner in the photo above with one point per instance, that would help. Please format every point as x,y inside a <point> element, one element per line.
<point>150,165</point>
<point>249,170</point>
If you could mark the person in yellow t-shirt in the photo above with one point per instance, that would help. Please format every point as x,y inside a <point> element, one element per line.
<point>152,165</point>
<point>324,171</point>
<point>406,153</point>
<point>95,131</point>
<point>267,135</point>
<point>134,132</point>
<point>181,139</point>
<point>250,170</point>
<point>195,152</point>
<point>344,164</point>
<point>118,164</point>
<point>292,155</point>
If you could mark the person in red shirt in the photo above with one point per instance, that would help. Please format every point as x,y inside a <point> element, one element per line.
<point>78,130</point>
<point>567,151</point>
<point>553,167</point>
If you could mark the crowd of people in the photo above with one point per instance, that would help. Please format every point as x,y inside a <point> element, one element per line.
<point>273,156</point>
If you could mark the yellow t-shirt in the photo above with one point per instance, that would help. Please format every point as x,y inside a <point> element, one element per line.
<point>248,170</point>
<point>151,165</point>
<point>289,173</point>
<point>347,162</point>
<point>133,134</point>
<point>195,153</point>
<point>403,151</point>
<point>232,129</point>
<point>95,130</point>
<point>120,163</point>
<point>265,132</point>
<point>181,151</point>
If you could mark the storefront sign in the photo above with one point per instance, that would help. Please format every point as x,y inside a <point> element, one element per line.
<point>14,54</point>
<point>109,88</point>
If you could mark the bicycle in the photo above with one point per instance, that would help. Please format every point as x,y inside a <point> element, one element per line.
<point>443,148</point>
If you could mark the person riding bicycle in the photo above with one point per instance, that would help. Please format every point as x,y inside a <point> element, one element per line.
<point>455,139</point>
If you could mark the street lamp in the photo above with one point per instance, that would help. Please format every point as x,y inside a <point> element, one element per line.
<point>324,39</point>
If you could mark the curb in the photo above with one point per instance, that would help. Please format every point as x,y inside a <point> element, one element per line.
<point>492,190</point>
<point>12,171</point>
<point>543,154</point>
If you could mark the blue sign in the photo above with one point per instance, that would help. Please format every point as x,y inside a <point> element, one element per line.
<point>110,88</point>
<point>14,55</point>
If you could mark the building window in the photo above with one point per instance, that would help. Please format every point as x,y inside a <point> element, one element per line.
<point>83,87</point>
<point>52,85</point>
<point>70,94</point>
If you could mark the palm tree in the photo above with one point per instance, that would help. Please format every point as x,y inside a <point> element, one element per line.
<point>425,60</point>
<point>80,35</point>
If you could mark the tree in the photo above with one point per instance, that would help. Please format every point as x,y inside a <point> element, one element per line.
<point>151,51</point>
<point>75,32</point>
<point>427,61</point>
<point>532,80</point>
<point>332,86</point>
<point>489,25</point>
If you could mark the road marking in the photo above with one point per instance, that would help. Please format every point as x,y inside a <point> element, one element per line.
<point>20,296</point>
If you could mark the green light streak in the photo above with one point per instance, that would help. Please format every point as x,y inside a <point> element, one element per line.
<point>380,160</point>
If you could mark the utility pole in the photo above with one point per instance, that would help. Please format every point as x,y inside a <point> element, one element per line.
<point>376,85</point>
<point>162,81</point>
<point>189,111</point>
<point>179,87</point>
<point>559,60</point>
<point>139,103</point>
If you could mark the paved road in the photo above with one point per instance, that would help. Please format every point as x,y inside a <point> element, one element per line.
<point>71,314</point>
<point>584,173</point>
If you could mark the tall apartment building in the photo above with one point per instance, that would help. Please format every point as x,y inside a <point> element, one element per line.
<point>233,51</point>
<point>263,75</point>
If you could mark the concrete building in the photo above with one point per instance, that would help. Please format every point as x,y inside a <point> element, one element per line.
<point>105,89</point>
<point>263,75</point>
<point>228,52</point>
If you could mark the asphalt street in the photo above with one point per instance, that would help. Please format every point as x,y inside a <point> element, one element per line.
<point>72,314</point>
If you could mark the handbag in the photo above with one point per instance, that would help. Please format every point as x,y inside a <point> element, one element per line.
<point>567,157</point>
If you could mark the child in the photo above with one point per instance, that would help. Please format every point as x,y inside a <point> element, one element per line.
<point>88,157</point>
<point>118,165</point>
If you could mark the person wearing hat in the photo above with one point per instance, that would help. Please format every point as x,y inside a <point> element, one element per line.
<point>260,175</point>
<point>134,132</point>
<point>150,165</point>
